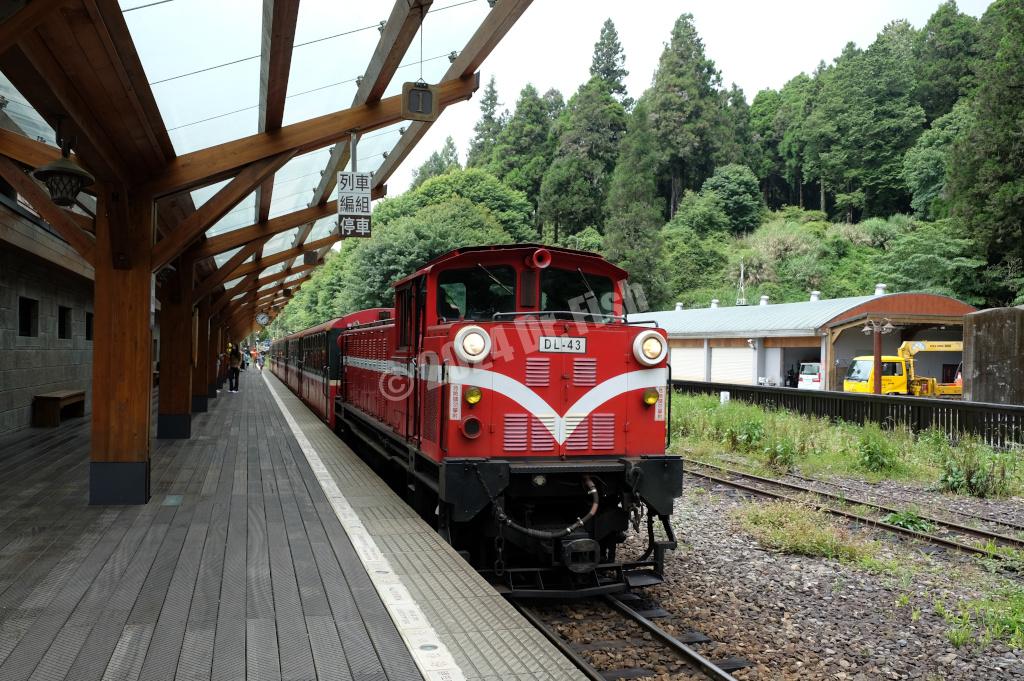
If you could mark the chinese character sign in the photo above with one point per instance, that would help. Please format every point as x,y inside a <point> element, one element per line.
<point>354,204</point>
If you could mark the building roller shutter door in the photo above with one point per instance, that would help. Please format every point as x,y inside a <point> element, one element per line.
<point>687,364</point>
<point>732,365</point>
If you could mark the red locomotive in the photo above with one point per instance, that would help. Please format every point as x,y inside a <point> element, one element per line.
<point>526,417</point>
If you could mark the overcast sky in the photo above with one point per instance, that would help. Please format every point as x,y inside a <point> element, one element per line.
<point>755,44</point>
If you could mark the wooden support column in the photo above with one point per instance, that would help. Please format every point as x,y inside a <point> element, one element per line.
<point>212,353</point>
<point>174,416</point>
<point>200,370</point>
<point>222,344</point>
<point>122,369</point>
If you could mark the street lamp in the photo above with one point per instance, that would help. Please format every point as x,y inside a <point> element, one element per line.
<point>877,329</point>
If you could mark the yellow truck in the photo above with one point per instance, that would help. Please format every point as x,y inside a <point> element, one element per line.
<point>898,375</point>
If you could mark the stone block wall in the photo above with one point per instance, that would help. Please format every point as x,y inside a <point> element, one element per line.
<point>32,365</point>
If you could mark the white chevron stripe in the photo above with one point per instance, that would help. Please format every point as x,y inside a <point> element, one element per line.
<point>561,426</point>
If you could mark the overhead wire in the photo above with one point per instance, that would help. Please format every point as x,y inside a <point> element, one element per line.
<point>294,46</point>
<point>296,94</point>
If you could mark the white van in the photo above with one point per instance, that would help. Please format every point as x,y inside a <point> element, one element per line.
<point>810,376</point>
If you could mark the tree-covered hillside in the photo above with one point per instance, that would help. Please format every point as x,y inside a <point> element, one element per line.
<point>901,161</point>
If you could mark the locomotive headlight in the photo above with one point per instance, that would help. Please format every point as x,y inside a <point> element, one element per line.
<point>473,394</point>
<point>472,344</point>
<point>649,347</point>
<point>539,481</point>
<point>650,397</point>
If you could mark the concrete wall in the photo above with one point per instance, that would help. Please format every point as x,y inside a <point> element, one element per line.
<point>33,365</point>
<point>994,356</point>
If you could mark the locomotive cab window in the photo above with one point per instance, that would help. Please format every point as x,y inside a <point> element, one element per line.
<point>571,291</point>
<point>476,293</point>
<point>406,316</point>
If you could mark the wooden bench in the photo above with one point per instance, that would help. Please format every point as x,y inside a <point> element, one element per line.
<point>47,408</point>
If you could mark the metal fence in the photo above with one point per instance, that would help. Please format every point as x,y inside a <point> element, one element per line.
<point>999,425</point>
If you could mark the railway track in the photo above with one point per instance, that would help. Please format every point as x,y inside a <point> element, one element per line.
<point>1009,525</point>
<point>696,663</point>
<point>953,535</point>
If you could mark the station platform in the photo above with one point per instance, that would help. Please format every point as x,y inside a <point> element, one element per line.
<point>268,551</point>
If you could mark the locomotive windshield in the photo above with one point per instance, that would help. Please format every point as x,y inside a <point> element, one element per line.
<point>476,292</point>
<point>575,291</point>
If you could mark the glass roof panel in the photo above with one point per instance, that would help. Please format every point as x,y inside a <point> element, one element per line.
<point>273,269</point>
<point>295,182</point>
<point>202,93</point>
<point>24,116</point>
<point>233,282</point>
<point>222,258</point>
<point>323,228</point>
<point>280,242</point>
<point>333,43</point>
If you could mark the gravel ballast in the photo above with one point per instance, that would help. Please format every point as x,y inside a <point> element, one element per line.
<point>799,617</point>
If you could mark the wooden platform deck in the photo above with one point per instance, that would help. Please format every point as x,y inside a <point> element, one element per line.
<point>238,568</point>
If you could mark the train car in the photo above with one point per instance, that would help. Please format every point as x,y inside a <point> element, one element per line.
<point>525,414</point>
<point>309,363</point>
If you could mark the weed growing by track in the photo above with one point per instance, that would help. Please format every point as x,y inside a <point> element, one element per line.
<point>801,530</point>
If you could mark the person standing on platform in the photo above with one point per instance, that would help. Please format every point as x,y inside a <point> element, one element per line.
<point>234,362</point>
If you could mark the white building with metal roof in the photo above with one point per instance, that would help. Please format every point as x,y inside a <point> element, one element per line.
<point>766,343</point>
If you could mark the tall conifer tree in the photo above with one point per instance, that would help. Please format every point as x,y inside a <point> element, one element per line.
<point>633,228</point>
<point>609,62</point>
<point>522,152</point>
<point>487,128</point>
<point>685,111</point>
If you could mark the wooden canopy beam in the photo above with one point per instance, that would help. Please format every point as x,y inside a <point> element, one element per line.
<point>28,151</point>
<point>18,25</point>
<point>250,177</point>
<point>215,163</point>
<point>279,20</point>
<point>218,303</point>
<point>492,29</point>
<point>277,258</point>
<point>398,34</point>
<point>224,272</point>
<point>282,223</point>
<point>105,160</point>
<point>68,228</point>
<point>250,282</point>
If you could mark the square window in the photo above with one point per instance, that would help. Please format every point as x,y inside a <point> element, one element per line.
<point>28,317</point>
<point>88,326</point>
<point>63,322</point>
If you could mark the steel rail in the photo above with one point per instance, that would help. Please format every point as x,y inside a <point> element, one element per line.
<point>948,524</point>
<point>688,654</point>
<point>945,509</point>
<point>563,646</point>
<point>709,668</point>
<point>880,524</point>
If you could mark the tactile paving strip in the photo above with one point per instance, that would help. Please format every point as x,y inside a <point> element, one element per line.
<point>434,597</point>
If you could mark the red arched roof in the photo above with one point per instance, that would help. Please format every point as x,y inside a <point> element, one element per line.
<point>916,304</point>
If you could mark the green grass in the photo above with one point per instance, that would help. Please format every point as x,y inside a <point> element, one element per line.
<point>997,616</point>
<point>772,441</point>
<point>801,530</point>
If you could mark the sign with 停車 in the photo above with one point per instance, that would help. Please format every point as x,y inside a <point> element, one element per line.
<point>354,204</point>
